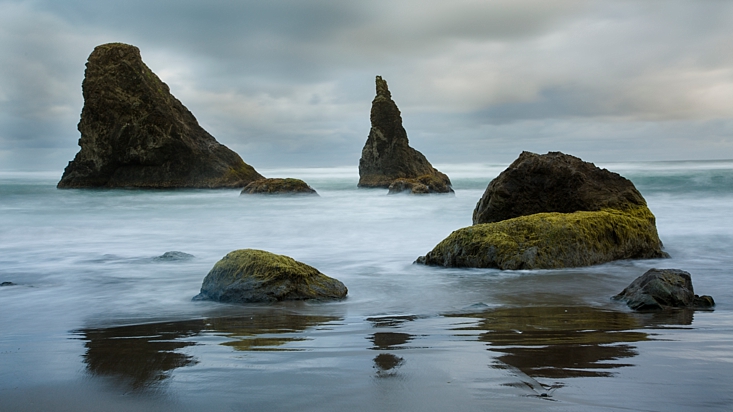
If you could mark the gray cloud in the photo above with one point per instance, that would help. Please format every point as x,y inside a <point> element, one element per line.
<point>290,81</point>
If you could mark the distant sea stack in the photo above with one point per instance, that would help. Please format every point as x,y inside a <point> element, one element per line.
<point>387,155</point>
<point>134,133</point>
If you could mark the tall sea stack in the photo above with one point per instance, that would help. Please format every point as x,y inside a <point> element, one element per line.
<point>387,157</point>
<point>134,133</point>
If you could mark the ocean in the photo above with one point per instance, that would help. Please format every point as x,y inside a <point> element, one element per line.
<point>95,319</point>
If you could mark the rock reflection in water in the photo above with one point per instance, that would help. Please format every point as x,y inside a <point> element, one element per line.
<point>387,364</point>
<point>389,340</point>
<point>141,357</point>
<point>251,333</point>
<point>560,342</point>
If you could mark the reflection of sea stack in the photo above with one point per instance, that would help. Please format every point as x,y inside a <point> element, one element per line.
<point>387,155</point>
<point>134,133</point>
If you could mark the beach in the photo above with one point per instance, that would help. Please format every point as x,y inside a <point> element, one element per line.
<point>95,319</point>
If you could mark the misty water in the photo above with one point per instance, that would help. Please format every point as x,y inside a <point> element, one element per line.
<point>95,320</point>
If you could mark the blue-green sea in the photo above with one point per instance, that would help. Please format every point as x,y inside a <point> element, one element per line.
<point>93,319</point>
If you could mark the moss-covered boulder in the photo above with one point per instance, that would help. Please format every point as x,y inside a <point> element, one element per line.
<point>135,133</point>
<point>279,186</point>
<point>425,184</point>
<point>250,275</point>
<point>659,289</point>
<point>387,154</point>
<point>551,240</point>
<point>553,211</point>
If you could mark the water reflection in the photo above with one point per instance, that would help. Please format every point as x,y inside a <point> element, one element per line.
<point>386,364</point>
<point>389,340</point>
<point>141,357</point>
<point>560,342</point>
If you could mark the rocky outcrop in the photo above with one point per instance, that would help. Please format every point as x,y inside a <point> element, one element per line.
<point>659,289</point>
<point>279,186</point>
<point>249,275</point>
<point>134,133</point>
<point>554,182</point>
<point>387,155</point>
<point>435,183</point>
<point>173,256</point>
<point>549,241</point>
<point>537,220</point>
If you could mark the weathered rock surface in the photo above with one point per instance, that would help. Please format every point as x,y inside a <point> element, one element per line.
<point>659,289</point>
<point>435,183</point>
<point>174,255</point>
<point>134,133</point>
<point>550,240</point>
<point>553,211</point>
<point>387,155</point>
<point>554,182</point>
<point>249,275</point>
<point>279,186</point>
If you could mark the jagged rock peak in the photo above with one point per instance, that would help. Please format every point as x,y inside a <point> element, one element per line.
<point>135,133</point>
<point>387,155</point>
<point>382,89</point>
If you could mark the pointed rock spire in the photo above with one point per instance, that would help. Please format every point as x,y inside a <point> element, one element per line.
<point>387,157</point>
<point>134,133</point>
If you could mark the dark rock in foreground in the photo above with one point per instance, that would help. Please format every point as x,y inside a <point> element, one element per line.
<point>554,182</point>
<point>387,155</point>
<point>659,289</point>
<point>279,186</point>
<point>134,133</point>
<point>249,275</point>
<point>553,211</point>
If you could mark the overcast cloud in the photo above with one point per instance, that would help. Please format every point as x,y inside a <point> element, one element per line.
<point>290,82</point>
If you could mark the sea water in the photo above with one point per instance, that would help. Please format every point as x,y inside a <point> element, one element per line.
<point>96,319</point>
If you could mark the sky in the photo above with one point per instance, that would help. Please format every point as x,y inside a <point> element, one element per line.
<point>289,83</point>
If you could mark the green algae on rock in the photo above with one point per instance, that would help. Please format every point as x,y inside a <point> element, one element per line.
<point>135,133</point>
<point>553,211</point>
<point>387,155</point>
<point>425,184</point>
<point>659,289</point>
<point>249,275</point>
<point>279,186</point>
<point>551,240</point>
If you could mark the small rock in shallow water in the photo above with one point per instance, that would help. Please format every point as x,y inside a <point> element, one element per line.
<point>7,284</point>
<point>174,255</point>
<point>663,289</point>
<point>278,186</point>
<point>250,275</point>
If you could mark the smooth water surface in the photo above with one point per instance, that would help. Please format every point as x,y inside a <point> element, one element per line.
<point>96,320</point>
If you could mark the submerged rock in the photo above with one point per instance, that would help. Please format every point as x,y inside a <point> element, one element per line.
<point>134,133</point>
<point>174,255</point>
<point>659,289</point>
<point>250,275</point>
<point>279,186</point>
<point>7,284</point>
<point>554,182</point>
<point>387,155</point>
<point>553,211</point>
